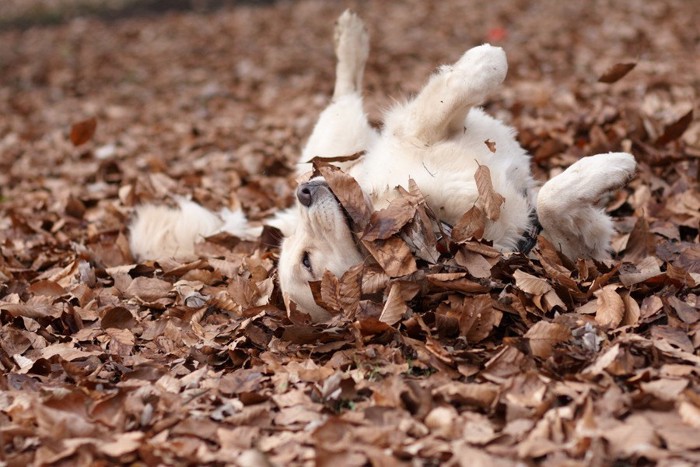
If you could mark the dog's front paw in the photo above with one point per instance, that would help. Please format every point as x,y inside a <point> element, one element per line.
<point>351,39</point>
<point>587,181</point>
<point>597,175</point>
<point>483,67</point>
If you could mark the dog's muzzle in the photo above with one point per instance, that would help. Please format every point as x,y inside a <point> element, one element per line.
<point>309,192</point>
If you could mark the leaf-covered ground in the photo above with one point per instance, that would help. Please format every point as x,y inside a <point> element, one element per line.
<point>477,359</point>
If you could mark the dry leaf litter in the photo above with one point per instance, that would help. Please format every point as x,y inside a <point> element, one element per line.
<point>441,350</point>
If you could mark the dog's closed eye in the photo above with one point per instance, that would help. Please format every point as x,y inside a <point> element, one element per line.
<point>306,261</point>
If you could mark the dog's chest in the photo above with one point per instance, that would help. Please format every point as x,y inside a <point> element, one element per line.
<point>443,174</point>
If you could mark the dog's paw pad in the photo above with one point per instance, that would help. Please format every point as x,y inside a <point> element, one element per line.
<point>484,56</point>
<point>350,36</point>
<point>591,178</point>
<point>623,161</point>
<point>483,67</point>
<point>606,171</point>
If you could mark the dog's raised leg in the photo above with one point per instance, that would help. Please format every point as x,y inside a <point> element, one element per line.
<point>342,128</point>
<point>439,110</point>
<point>567,204</point>
<point>351,41</point>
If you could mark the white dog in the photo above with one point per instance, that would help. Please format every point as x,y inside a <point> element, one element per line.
<point>438,139</point>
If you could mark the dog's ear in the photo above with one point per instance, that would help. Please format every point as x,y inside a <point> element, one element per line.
<point>286,221</point>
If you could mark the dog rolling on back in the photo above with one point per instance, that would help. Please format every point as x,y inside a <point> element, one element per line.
<point>438,140</point>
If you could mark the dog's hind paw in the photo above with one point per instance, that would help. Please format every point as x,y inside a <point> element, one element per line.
<point>351,49</point>
<point>351,36</point>
<point>482,68</point>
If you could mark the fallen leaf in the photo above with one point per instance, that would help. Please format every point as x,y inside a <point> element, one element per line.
<point>675,130</point>
<point>393,255</point>
<point>83,131</point>
<point>395,306</point>
<point>543,336</point>
<point>616,72</point>
<point>118,317</point>
<point>489,200</point>
<point>387,222</point>
<point>470,226</point>
<point>610,308</point>
<point>349,193</point>
<point>148,289</point>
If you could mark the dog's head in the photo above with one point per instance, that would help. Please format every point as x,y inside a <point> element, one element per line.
<point>320,239</point>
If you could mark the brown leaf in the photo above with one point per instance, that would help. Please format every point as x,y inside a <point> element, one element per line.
<point>641,243</point>
<point>610,307</point>
<point>531,284</point>
<point>632,311</point>
<point>329,292</point>
<point>690,414</point>
<point>687,313</point>
<point>374,279</point>
<point>455,281</point>
<point>368,318</point>
<point>543,336</point>
<point>388,221</point>
<point>395,306</point>
<point>447,320</point>
<point>35,311</point>
<point>476,264</point>
<point>122,443</point>
<point>491,145</point>
<point>420,237</point>
<point>118,317</point>
<point>393,255</point>
<point>476,394</point>
<point>470,226</point>
<point>325,160</point>
<point>633,437</point>
<point>349,193</point>
<point>675,130</point>
<point>487,318</point>
<point>75,207</point>
<point>650,306</point>
<point>47,288</point>
<point>82,132</point>
<point>665,388</point>
<point>473,317</point>
<point>350,290</point>
<point>489,200</point>
<point>640,272</point>
<point>616,72</point>
<point>148,289</point>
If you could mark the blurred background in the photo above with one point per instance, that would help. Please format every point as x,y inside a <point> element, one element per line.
<point>213,99</point>
<point>24,13</point>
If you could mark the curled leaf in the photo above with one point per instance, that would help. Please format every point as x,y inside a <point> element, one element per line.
<point>489,200</point>
<point>82,132</point>
<point>616,72</point>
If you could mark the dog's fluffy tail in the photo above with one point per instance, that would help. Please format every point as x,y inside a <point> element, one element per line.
<point>159,232</point>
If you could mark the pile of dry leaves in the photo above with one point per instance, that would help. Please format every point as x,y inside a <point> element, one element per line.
<point>441,350</point>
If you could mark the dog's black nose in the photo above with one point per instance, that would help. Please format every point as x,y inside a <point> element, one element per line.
<point>305,193</point>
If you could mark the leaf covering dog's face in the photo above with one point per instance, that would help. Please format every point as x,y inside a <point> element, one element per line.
<point>321,241</point>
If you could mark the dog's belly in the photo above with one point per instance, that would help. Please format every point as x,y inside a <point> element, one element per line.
<point>448,193</point>
<point>445,175</point>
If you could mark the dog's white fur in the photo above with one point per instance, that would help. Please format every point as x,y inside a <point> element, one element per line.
<point>159,232</point>
<point>437,139</point>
